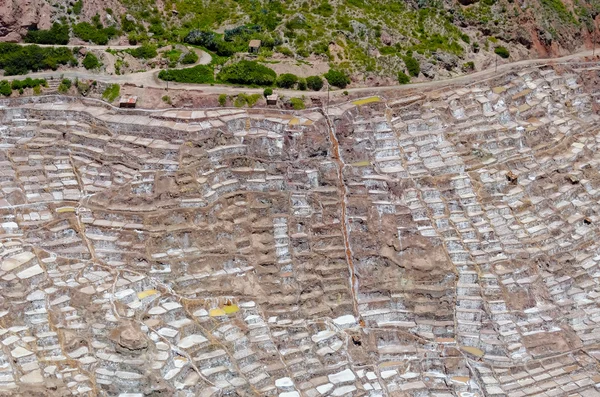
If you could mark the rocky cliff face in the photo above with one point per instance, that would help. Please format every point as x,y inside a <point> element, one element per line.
<point>16,16</point>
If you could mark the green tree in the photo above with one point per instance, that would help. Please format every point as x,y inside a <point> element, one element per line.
<point>315,83</point>
<point>403,78</point>
<point>502,52</point>
<point>5,88</point>
<point>267,92</point>
<point>247,72</point>
<point>412,65</point>
<point>337,78</point>
<point>91,61</point>
<point>302,84</point>
<point>287,80</point>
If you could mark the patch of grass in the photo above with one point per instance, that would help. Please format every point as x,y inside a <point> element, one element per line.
<point>111,92</point>
<point>367,100</point>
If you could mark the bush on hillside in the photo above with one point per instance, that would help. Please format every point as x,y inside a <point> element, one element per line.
<point>111,92</point>
<point>302,84</point>
<point>57,34</point>
<point>403,78</point>
<point>315,83</point>
<point>98,35</point>
<point>222,99</point>
<point>145,51</point>
<point>287,80</point>
<point>267,92</point>
<point>297,103</point>
<point>412,65</point>
<point>5,88</point>
<point>201,74</point>
<point>28,83</point>
<point>337,78</point>
<point>16,59</point>
<point>91,61</point>
<point>189,58</point>
<point>502,52</point>
<point>247,72</point>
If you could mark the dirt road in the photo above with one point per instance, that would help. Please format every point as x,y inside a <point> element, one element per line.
<point>150,78</point>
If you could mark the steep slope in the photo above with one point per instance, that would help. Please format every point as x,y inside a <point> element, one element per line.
<point>373,40</point>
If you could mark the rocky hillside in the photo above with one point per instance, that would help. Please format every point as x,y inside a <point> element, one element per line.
<point>372,39</point>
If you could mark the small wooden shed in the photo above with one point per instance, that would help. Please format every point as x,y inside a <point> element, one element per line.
<point>272,99</point>
<point>254,46</point>
<point>128,101</point>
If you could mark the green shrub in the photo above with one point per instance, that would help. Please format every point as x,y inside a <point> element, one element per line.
<point>127,25</point>
<point>403,78</point>
<point>91,61</point>
<point>412,65</point>
<point>315,83</point>
<point>287,80</point>
<point>28,83</point>
<point>57,34</point>
<point>297,103</point>
<point>77,7</point>
<point>132,38</point>
<point>5,88</point>
<point>502,52</point>
<point>145,51</point>
<point>189,58</point>
<point>64,85</point>
<point>337,78</point>
<point>111,92</point>
<point>222,100</point>
<point>468,66</point>
<point>167,99</point>
<point>245,99</point>
<point>247,72</point>
<point>98,35</point>
<point>267,92</point>
<point>285,51</point>
<point>16,59</point>
<point>302,84</point>
<point>200,74</point>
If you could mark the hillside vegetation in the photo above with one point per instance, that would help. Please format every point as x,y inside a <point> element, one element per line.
<point>363,38</point>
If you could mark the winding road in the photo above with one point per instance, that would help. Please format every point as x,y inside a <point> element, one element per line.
<point>150,78</point>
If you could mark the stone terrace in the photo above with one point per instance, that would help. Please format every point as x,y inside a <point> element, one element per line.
<point>436,245</point>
